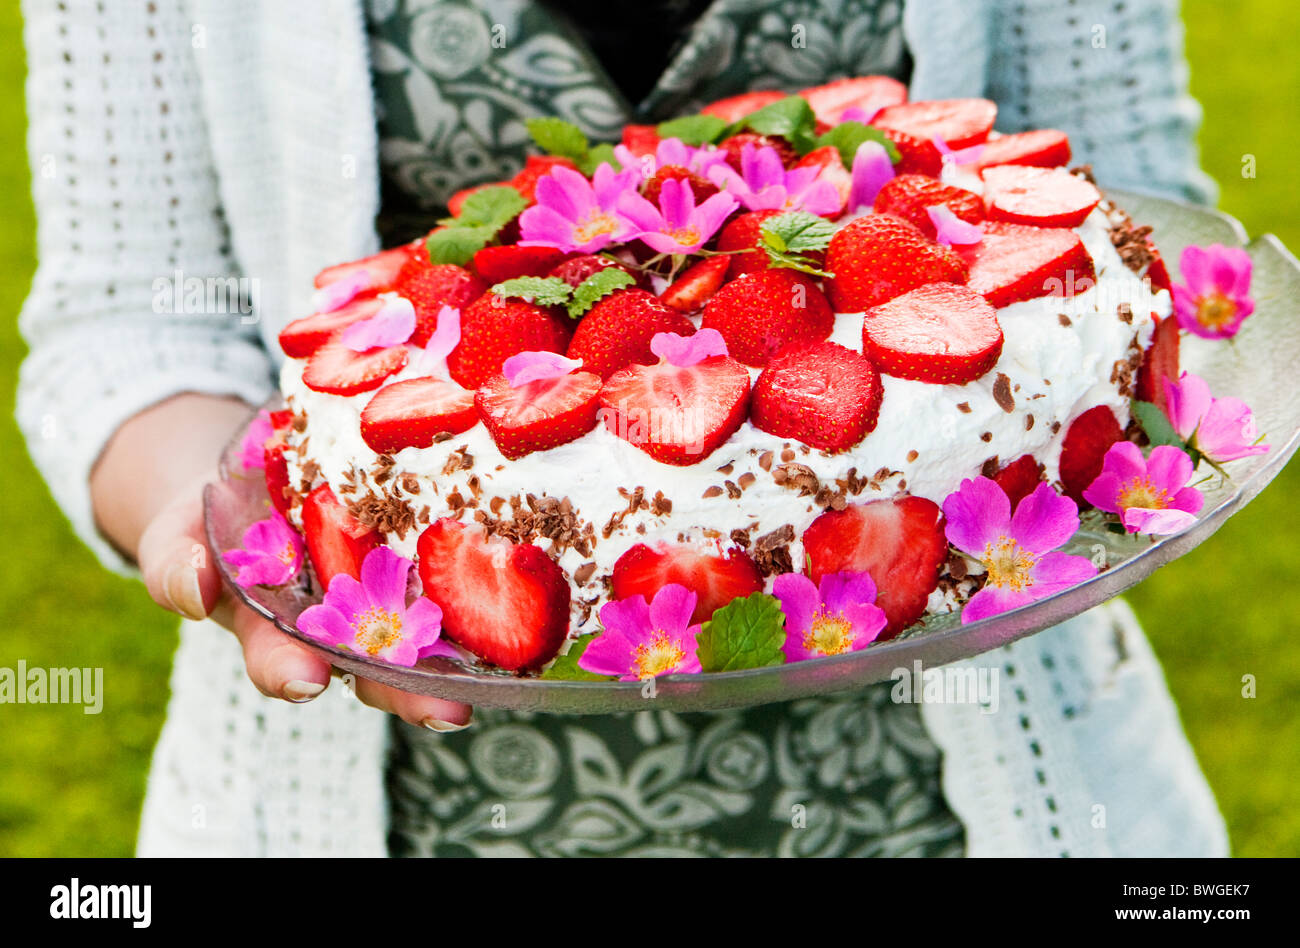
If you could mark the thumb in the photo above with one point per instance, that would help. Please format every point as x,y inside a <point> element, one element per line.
<point>175,559</point>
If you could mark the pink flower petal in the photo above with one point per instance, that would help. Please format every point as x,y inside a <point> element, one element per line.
<point>1186,402</point>
<point>392,325</point>
<point>444,339</point>
<point>1197,268</point>
<point>1169,468</point>
<point>992,601</point>
<point>684,351</point>
<point>978,513</point>
<point>384,577</point>
<point>252,450</point>
<point>525,367</point>
<point>1044,520</point>
<point>1103,492</point>
<point>950,229</point>
<point>1056,571</point>
<point>872,169</point>
<point>1155,522</point>
<point>326,624</point>
<point>838,591</point>
<point>336,295</point>
<point>1227,431</point>
<point>799,600</point>
<point>672,607</point>
<point>960,156</point>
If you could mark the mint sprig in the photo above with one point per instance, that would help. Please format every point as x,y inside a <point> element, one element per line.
<point>745,633</point>
<point>481,218</point>
<point>566,667</point>
<point>693,130</point>
<point>565,140</point>
<point>788,239</point>
<point>791,118</point>
<point>848,137</point>
<point>596,287</point>
<point>541,291</point>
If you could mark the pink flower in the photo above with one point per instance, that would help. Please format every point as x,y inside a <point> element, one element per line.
<point>1221,429</point>
<point>686,351</point>
<point>677,226</point>
<point>950,229</point>
<point>671,151</point>
<point>574,214</point>
<point>960,156</point>
<point>252,450</point>
<point>1149,494</point>
<point>271,554</point>
<point>1214,302</point>
<point>764,184</point>
<point>372,617</point>
<point>1016,550</point>
<point>392,325</point>
<point>836,616</point>
<point>872,169</point>
<point>641,640</point>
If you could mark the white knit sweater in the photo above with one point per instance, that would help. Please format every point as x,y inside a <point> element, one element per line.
<point>236,138</point>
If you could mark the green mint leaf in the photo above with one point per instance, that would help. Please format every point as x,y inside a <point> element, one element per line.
<point>796,232</point>
<point>791,118</point>
<point>596,287</point>
<point>566,667</point>
<point>543,291</point>
<point>493,207</point>
<point>693,130</point>
<point>849,136</point>
<point>458,244</point>
<point>790,261</point>
<point>745,633</point>
<point>601,154</point>
<point>1157,427</point>
<point>558,137</point>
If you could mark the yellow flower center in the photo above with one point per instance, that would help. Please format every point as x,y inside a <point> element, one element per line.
<point>661,654</point>
<point>686,236</point>
<point>594,225</point>
<point>1008,564</point>
<point>377,629</point>
<point>1140,492</point>
<point>1215,311</point>
<point>828,635</point>
<point>288,554</point>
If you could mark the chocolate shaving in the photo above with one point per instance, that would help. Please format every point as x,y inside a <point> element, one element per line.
<point>584,573</point>
<point>798,477</point>
<point>1132,243</point>
<point>1125,313</point>
<point>771,551</point>
<point>385,512</point>
<point>733,490</point>
<point>740,538</point>
<point>912,456</point>
<point>1064,320</point>
<point>1002,393</point>
<point>410,483</point>
<point>746,479</point>
<point>964,407</point>
<point>458,460</point>
<point>712,491</point>
<point>765,460</point>
<point>990,467</point>
<point>660,505</point>
<point>986,437</point>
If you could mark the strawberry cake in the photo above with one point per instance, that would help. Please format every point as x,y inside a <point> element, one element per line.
<point>765,339</point>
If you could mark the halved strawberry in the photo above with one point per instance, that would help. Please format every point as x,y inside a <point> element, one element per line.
<point>617,331</point>
<point>831,170</point>
<point>692,289</point>
<point>821,393</point>
<point>941,333</point>
<point>1157,272</point>
<point>741,234</point>
<point>304,336</point>
<point>540,414</point>
<point>736,107</point>
<point>1014,262</point>
<point>575,270</point>
<point>535,168</point>
<point>900,542</point>
<point>1084,447</point>
<point>430,287</point>
<point>915,155</point>
<point>868,93</point>
<point>716,578</point>
<point>337,370</point>
<point>495,264</point>
<point>880,256</point>
<point>700,188</point>
<point>411,414</point>
<point>641,140</point>
<point>508,603</point>
<point>382,267</point>
<point>759,313</point>
<point>909,195</point>
<point>959,122</point>
<point>276,469</point>
<point>1159,362</point>
<point>493,329</point>
<point>677,414</point>
<point>1043,197</point>
<point>734,148</point>
<point>1042,147</point>
<point>336,541</point>
<point>1020,478</point>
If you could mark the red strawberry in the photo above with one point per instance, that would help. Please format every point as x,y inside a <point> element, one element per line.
<point>281,420</point>
<point>700,188</point>
<point>677,414</point>
<point>1016,262</point>
<point>692,289</point>
<point>909,195</point>
<point>508,603</point>
<point>915,155</point>
<point>1083,450</point>
<point>868,93</point>
<point>900,542</point>
<point>1043,197</point>
<point>336,541</point>
<point>493,329</point>
<point>1043,148</point>
<point>277,476</point>
<point>337,370</point>
<point>759,313</point>
<point>1157,272</point>
<point>831,170</point>
<point>304,336</point>
<point>641,140</point>
<point>736,107</point>
<point>742,233</point>
<point>495,264</point>
<point>879,256</point>
<point>734,148</point>
<point>540,414</point>
<point>383,266</point>
<point>574,270</point>
<point>821,393</point>
<point>715,578</point>
<point>617,331</point>
<point>430,287</point>
<point>1020,478</point>
<point>959,122</point>
<point>1160,362</point>
<point>940,333</point>
<point>411,414</point>
<point>535,168</point>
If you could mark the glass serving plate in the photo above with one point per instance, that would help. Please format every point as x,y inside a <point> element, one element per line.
<point>1257,367</point>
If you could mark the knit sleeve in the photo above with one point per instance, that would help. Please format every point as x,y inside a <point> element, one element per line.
<point>136,296</point>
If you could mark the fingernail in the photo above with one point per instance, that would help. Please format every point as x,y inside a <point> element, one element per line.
<point>181,584</point>
<point>444,727</point>
<point>300,691</point>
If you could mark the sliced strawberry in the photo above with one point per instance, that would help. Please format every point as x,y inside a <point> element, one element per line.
<point>304,336</point>
<point>742,234</point>
<point>1160,362</point>
<point>868,93</point>
<point>915,155</point>
<point>879,256</point>
<point>1043,197</point>
<point>411,414</point>
<point>1014,262</point>
<point>641,140</point>
<point>1083,450</point>
<point>700,188</point>
<point>900,542</point>
<point>535,168</point>
<point>677,414</point>
<point>941,333</point>
<point>508,603</point>
<point>1157,272</point>
<point>382,267</point>
<point>336,541</point>
<point>959,122</point>
<point>690,291</point>
<point>715,578</point>
<point>575,270</point>
<point>821,393</point>
<point>337,370</point>
<point>430,287</point>
<point>276,469</point>
<point>831,170</point>
<point>1020,478</point>
<point>281,420</point>
<point>493,329</point>
<point>909,195</point>
<point>759,313</point>
<point>540,414</point>
<point>617,331</point>
<point>734,148</point>
<point>1043,148</point>
<point>495,264</point>
<point>736,107</point>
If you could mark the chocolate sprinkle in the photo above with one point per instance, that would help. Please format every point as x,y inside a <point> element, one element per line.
<point>1002,393</point>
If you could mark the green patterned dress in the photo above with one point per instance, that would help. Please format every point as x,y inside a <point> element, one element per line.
<point>853,775</point>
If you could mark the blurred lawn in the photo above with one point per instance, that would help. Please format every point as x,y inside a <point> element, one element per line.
<point>71,784</point>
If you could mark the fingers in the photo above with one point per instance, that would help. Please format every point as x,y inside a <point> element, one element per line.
<point>432,713</point>
<point>175,560</point>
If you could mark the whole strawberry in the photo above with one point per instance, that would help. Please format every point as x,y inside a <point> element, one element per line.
<point>742,234</point>
<point>430,287</point>
<point>909,195</point>
<point>493,329</point>
<point>759,313</point>
<point>617,331</point>
<point>880,256</point>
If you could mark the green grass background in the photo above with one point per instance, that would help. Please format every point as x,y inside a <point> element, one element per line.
<point>71,784</point>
